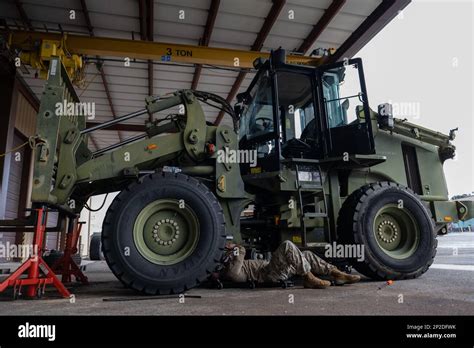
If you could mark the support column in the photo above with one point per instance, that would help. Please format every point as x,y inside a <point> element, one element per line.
<point>8,100</point>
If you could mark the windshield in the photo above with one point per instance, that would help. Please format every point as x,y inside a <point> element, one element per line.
<point>257,115</point>
<point>341,89</point>
<point>295,107</point>
<point>296,112</point>
<point>336,115</point>
<point>295,99</point>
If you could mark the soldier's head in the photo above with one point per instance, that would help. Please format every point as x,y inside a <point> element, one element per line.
<point>228,253</point>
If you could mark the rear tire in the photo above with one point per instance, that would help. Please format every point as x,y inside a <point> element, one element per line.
<point>95,247</point>
<point>154,244</point>
<point>394,227</point>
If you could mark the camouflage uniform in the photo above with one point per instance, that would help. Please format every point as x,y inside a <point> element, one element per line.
<point>286,261</point>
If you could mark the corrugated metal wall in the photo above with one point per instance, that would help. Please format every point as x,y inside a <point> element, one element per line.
<point>25,123</point>
<point>25,120</point>
<point>23,112</point>
<point>13,194</point>
<point>14,180</point>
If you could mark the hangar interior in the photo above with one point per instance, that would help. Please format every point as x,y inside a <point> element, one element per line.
<point>124,58</point>
<point>116,88</point>
<point>120,56</point>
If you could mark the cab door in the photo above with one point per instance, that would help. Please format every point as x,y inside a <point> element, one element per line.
<point>344,106</point>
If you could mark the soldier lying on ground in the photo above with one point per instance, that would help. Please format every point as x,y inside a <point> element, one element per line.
<point>286,261</point>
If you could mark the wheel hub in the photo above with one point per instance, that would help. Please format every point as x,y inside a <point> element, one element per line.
<point>388,231</point>
<point>165,231</point>
<point>396,231</point>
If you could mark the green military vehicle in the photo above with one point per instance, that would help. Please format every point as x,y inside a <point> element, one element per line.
<point>307,160</point>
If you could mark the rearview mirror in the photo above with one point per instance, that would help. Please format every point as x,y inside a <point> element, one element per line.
<point>385,118</point>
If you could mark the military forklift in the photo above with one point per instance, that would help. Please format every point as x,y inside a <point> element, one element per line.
<point>328,171</point>
<point>327,176</point>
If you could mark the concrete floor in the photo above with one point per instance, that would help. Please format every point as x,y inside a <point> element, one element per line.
<point>446,289</point>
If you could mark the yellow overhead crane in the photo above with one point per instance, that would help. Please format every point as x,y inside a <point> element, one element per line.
<point>37,48</point>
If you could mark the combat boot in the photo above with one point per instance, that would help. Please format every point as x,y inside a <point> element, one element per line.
<point>313,282</point>
<point>341,278</point>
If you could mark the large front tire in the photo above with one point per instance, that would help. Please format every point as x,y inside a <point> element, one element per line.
<point>164,234</point>
<point>393,226</point>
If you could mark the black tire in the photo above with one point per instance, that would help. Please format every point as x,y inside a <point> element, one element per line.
<point>251,254</point>
<point>55,255</point>
<point>355,226</point>
<point>95,247</point>
<point>137,272</point>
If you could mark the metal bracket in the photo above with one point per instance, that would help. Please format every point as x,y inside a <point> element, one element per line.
<point>225,135</point>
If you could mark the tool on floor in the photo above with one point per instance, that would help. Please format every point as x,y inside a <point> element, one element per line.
<point>143,298</point>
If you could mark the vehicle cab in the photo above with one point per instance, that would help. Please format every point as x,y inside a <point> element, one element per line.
<point>304,112</point>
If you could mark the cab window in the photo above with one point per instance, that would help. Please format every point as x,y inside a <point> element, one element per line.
<point>295,104</point>
<point>257,115</point>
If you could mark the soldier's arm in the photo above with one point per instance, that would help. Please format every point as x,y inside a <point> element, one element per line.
<point>239,256</point>
<point>234,269</point>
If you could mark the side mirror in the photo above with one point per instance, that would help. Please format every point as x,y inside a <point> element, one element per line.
<point>452,133</point>
<point>345,107</point>
<point>385,117</point>
<point>242,97</point>
<point>238,110</point>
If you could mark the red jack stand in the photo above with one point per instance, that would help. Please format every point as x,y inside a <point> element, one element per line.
<point>35,283</point>
<point>66,265</point>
